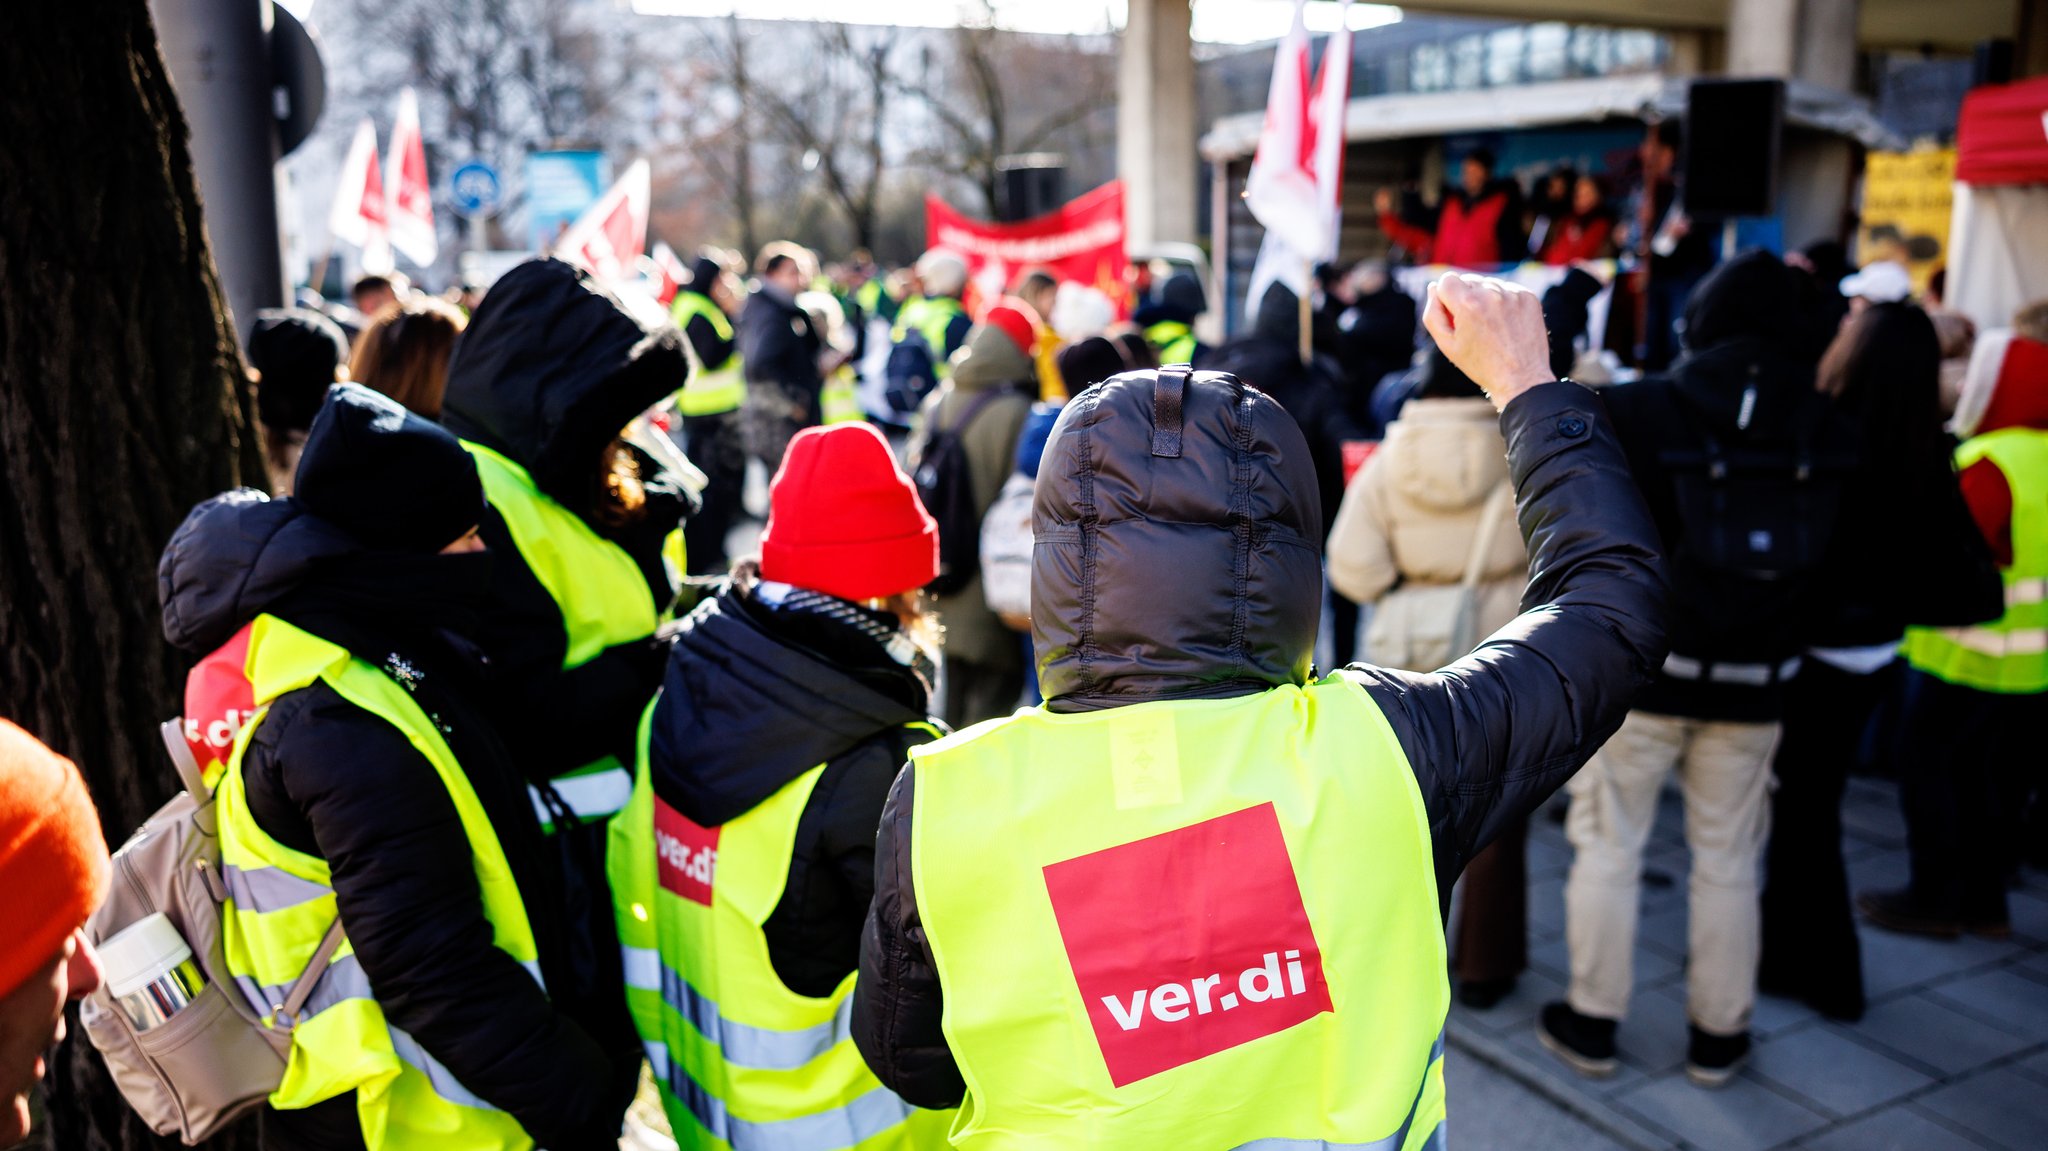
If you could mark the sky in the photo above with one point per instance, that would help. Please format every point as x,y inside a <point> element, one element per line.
<point>1215,21</point>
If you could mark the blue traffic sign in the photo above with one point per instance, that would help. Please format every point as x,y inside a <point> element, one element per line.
<point>477,189</point>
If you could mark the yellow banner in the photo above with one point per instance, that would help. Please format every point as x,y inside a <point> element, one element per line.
<point>1906,201</point>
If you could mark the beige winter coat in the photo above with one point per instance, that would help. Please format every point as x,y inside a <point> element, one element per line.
<point>1410,513</point>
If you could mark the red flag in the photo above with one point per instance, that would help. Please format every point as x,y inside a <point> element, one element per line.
<point>408,196</point>
<point>669,273</point>
<point>611,235</point>
<point>358,217</point>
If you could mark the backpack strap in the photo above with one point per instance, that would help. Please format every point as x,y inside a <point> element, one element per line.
<point>974,406</point>
<point>1167,390</point>
<point>302,988</point>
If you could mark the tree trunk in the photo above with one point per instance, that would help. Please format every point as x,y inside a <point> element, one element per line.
<point>121,405</point>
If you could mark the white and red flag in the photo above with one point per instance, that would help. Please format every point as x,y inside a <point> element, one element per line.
<point>358,216</point>
<point>611,235</point>
<point>1295,189</point>
<point>408,197</point>
<point>669,273</point>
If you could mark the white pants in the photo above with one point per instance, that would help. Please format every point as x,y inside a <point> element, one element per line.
<point>1724,769</point>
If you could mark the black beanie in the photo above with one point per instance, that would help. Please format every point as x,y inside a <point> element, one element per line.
<point>704,272</point>
<point>393,480</point>
<point>297,351</point>
<point>1089,362</point>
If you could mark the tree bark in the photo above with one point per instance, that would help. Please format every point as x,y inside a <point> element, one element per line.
<point>122,404</point>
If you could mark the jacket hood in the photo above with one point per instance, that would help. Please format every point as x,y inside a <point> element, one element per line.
<point>1755,297</point>
<point>233,557</point>
<point>743,711</point>
<point>1183,568</point>
<point>1445,454</point>
<point>551,368</point>
<point>2005,386</point>
<point>990,359</point>
<point>1279,315</point>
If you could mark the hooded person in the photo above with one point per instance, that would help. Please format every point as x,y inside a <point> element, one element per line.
<point>1219,877</point>
<point>1977,697</point>
<point>374,789</point>
<point>1742,461</point>
<point>53,875</point>
<point>790,699</point>
<point>982,408</point>
<point>544,382</point>
<point>1269,358</point>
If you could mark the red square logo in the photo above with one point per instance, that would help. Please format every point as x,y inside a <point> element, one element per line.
<point>688,853</point>
<point>1189,942</point>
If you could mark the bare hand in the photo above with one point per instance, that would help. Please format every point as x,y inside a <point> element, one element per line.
<point>1383,201</point>
<point>1493,331</point>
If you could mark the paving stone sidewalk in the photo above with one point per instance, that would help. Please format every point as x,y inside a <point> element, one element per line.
<point>1953,1052</point>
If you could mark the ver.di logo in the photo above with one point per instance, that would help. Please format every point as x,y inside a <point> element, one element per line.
<point>1188,943</point>
<point>687,854</point>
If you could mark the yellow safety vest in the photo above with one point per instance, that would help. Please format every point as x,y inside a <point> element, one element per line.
<point>741,1061</point>
<point>708,391</point>
<point>1210,924</point>
<point>930,317</point>
<point>603,598</point>
<point>281,902</point>
<point>2010,654</point>
<point>1173,340</point>
<point>839,398</point>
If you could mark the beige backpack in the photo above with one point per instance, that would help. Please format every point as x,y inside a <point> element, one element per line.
<point>216,1058</point>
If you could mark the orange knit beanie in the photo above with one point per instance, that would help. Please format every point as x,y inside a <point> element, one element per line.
<point>53,861</point>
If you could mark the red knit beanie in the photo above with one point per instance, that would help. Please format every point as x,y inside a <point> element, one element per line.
<point>843,519</point>
<point>53,861</point>
<point>1012,318</point>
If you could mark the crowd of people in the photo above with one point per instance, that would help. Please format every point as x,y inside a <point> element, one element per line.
<point>604,762</point>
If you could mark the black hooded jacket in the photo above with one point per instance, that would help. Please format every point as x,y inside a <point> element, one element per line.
<point>756,695</point>
<point>1747,380</point>
<point>328,778</point>
<point>1233,520</point>
<point>1269,359</point>
<point>549,371</point>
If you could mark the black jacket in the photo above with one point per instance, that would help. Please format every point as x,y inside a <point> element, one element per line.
<point>756,695</point>
<point>712,349</point>
<point>1745,381</point>
<point>325,777</point>
<point>549,371</point>
<point>1269,359</point>
<point>780,349</point>
<point>1489,738</point>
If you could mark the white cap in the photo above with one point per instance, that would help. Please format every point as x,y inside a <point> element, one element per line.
<point>141,953</point>
<point>1884,282</point>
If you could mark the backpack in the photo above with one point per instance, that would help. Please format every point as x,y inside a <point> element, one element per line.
<point>1759,512</point>
<point>215,1059</point>
<point>945,485</point>
<point>910,373</point>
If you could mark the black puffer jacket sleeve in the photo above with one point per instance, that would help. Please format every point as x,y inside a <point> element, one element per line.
<point>712,349</point>
<point>555,720</point>
<point>406,888</point>
<point>1489,737</point>
<point>1493,735</point>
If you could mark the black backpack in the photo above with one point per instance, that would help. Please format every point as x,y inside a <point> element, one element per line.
<point>910,374</point>
<point>945,484</point>
<point>1762,512</point>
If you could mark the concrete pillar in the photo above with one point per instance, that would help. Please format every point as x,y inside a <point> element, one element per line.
<point>1763,37</point>
<point>218,52</point>
<point>1827,43</point>
<point>1155,122</point>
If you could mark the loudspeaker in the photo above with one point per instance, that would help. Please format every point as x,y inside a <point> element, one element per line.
<point>1031,186</point>
<point>1732,136</point>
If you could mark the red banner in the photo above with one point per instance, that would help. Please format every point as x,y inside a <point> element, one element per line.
<point>1082,242</point>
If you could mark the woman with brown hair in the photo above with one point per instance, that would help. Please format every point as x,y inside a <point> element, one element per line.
<point>404,353</point>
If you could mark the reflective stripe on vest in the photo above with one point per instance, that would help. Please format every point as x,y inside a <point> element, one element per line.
<point>708,391</point>
<point>1200,902</point>
<point>603,598</point>
<point>592,793</point>
<point>741,1061</point>
<point>1173,340</point>
<point>2009,654</point>
<point>281,902</point>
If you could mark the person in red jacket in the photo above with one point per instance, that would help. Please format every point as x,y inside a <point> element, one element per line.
<point>1584,233</point>
<point>1478,223</point>
<point>2000,390</point>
